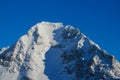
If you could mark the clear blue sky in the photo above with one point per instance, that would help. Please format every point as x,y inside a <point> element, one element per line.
<point>98,19</point>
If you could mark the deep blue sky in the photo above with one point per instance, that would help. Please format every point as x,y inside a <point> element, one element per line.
<point>98,19</point>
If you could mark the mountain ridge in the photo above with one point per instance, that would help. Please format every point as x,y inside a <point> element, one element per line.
<point>52,51</point>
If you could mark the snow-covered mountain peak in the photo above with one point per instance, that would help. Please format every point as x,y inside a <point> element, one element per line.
<point>52,51</point>
<point>41,33</point>
<point>44,27</point>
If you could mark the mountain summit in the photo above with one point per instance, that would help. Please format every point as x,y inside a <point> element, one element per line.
<point>52,51</point>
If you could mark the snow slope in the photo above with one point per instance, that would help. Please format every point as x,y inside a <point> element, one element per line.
<point>52,51</point>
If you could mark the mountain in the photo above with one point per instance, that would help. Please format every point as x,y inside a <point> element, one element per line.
<point>52,51</point>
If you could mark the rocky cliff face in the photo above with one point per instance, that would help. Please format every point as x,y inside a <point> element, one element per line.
<point>52,51</point>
